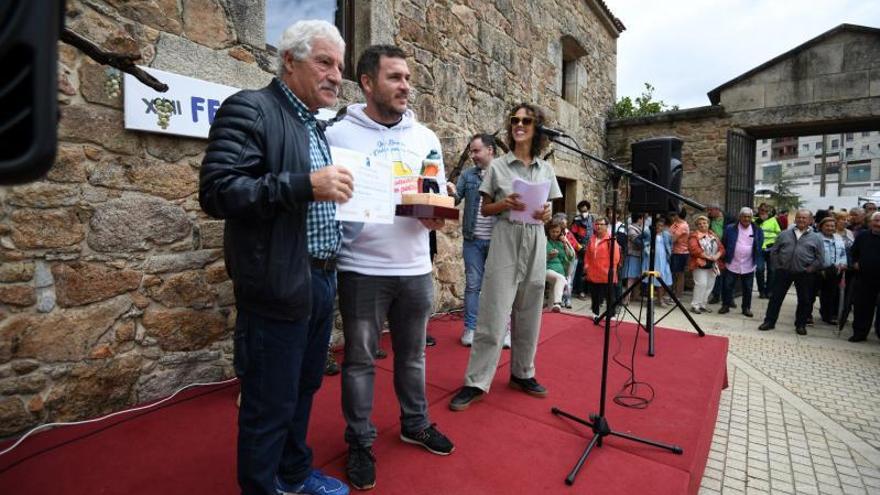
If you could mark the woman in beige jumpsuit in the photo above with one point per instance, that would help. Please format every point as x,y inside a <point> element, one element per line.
<point>513,283</point>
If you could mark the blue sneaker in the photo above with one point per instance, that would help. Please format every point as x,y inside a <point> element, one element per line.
<point>317,483</point>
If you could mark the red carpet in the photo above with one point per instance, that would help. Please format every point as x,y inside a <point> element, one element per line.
<point>509,443</point>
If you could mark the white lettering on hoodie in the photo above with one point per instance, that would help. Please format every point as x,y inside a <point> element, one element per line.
<point>401,248</point>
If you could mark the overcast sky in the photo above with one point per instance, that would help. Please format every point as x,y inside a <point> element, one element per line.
<point>283,13</point>
<point>685,48</point>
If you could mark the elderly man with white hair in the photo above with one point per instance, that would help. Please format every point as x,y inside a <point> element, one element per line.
<point>268,172</point>
<point>797,255</point>
<point>742,246</point>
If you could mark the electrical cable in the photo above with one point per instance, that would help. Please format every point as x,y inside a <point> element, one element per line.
<point>628,396</point>
<point>117,413</point>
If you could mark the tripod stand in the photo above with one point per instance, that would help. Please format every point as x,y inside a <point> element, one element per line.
<point>650,275</point>
<point>598,422</point>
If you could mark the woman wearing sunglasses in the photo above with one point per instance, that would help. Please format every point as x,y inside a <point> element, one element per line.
<point>516,266</point>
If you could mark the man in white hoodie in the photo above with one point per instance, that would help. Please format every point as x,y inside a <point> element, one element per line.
<point>385,270</point>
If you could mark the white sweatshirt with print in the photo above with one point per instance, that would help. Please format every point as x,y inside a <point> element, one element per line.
<point>401,248</point>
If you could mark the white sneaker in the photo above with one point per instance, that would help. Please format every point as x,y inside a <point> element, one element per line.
<point>556,308</point>
<point>506,344</point>
<point>467,337</point>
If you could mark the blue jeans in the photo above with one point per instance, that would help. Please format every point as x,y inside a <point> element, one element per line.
<point>281,366</point>
<point>474,253</point>
<point>765,282</point>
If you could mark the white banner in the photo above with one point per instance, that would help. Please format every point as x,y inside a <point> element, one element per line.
<point>189,104</point>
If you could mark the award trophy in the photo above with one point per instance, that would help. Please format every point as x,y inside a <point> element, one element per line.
<point>428,202</point>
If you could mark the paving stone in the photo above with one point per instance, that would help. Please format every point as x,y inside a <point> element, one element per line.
<point>801,415</point>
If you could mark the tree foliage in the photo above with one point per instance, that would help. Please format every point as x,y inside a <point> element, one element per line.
<point>783,195</point>
<point>643,105</point>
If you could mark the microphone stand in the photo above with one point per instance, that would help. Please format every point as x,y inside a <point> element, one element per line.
<point>598,423</point>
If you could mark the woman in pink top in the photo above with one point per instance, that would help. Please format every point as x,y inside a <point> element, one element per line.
<point>680,231</point>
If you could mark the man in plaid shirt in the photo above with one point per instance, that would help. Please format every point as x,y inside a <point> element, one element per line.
<point>268,172</point>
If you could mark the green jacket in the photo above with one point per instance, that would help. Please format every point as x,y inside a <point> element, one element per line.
<point>558,263</point>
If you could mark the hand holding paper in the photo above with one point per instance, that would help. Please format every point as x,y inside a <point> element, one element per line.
<point>534,197</point>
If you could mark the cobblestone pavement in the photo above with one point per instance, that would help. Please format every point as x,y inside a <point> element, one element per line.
<point>801,414</point>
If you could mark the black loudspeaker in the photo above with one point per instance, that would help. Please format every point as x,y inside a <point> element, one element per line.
<point>657,160</point>
<point>29,31</point>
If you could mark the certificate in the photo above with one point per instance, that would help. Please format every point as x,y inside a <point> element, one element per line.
<point>372,200</point>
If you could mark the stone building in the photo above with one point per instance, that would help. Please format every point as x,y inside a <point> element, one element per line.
<point>829,84</point>
<point>112,284</point>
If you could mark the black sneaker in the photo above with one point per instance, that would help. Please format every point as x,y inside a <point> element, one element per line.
<point>765,326</point>
<point>724,310</point>
<point>800,330</point>
<point>528,385</point>
<point>360,468</point>
<point>465,397</point>
<point>430,341</point>
<point>431,439</point>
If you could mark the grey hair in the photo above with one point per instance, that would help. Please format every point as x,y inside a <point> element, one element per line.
<point>857,210</point>
<point>297,40</point>
<point>875,215</point>
<point>805,210</point>
<point>745,210</point>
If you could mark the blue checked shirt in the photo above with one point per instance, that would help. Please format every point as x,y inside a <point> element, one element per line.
<point>324,234</point>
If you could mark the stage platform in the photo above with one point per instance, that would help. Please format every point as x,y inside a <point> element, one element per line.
<point>508,443</point>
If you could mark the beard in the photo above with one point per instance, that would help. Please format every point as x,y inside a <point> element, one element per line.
<point>385,107</point>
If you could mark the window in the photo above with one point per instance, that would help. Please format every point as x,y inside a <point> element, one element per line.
<point>866,148</point>
<point>835,143</point>
<point>772,172</point>
<point>849,152</point>
<point>570,81</point>
<point>805,147</point>
<point>282,13</point>
<point>763,153</point>
<point>849,136</point>
<point>858,173</point>
<point>830,168</point>
<point>866,134</point>
<point>819,145</point>
<point>763,141</point>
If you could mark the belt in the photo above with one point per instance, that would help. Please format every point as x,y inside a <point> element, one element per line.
<point>327,265</point>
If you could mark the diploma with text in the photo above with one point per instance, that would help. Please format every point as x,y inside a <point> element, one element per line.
<point>372,200</point>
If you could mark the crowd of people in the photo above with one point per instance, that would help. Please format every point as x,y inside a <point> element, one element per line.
<point>827,256</point>
<point>268,172</point>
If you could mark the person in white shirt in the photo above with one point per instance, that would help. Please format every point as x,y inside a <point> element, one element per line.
<point>385,269</point>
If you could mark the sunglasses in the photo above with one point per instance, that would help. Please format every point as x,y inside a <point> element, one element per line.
<point>526,121</point>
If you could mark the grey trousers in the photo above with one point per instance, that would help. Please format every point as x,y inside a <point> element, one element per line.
<point>513,285</point>
<point>365,301</point>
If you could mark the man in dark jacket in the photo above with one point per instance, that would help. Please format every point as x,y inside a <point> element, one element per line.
<point>742,247</point>
<point>475,229</point>
<point>267,172</point>
<point>866,261</point>
<point>797,255</point>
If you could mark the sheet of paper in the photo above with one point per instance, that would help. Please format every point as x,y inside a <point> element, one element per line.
<point>372,200</point>
<point>534,195</point>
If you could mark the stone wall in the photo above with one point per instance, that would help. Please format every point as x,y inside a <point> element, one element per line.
<point>704,153</point>
<point>112,284</point>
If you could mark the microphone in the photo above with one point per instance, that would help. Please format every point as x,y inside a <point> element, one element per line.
<point>551,132</point>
